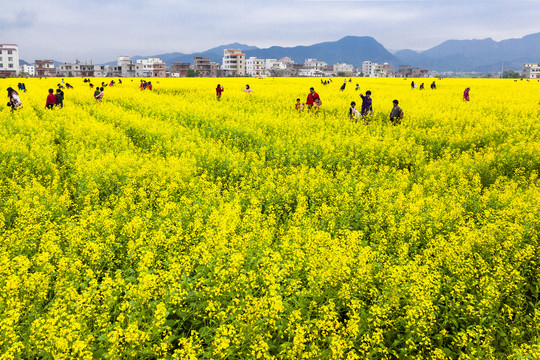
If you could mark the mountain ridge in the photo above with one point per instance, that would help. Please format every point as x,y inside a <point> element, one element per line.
<point>482,55</point>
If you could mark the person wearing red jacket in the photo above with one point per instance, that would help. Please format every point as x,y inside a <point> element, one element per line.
<point>51,100</point>
<point>312,97</point>
<point>219,90</point>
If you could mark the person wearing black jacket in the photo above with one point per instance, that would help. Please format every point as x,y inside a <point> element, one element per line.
<point>59,98</point>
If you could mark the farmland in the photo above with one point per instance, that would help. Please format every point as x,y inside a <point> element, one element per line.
<point>167,224</point>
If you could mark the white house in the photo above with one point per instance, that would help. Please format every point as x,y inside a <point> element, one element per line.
<point>151,67</point>
<point>234,62</point>
<point>343,68</point>
<point>531,71</point>
<point>28,70</point>
<point>275,65</point>
<point>256,67</point>
<point>9,60</point>
<point>315,64</point>
<point>368,68</point>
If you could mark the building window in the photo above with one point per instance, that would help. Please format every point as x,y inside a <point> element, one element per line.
<point>10,52</point>
<point>10,58</point>
<point>10,65</point>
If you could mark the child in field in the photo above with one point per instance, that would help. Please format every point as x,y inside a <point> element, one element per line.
<point>14,101</point>
<point>149,85</point>
<point>219,90</point>
<point>367,104</point>
<point>298,106</point>
<point>353,113</point>
<point>248,90</point>
<point>51,100</point>
<point>396,114</point>
<point>317,104</point>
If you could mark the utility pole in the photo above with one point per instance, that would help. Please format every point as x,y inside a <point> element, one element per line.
<point>502,69</point>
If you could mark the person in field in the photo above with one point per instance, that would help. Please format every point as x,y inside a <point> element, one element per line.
<point>248,90</point>
<point>466,94</point>
<point>98,94</point>
<point>413,85</point>
<point>367,104</point>
<point>317,104</point>
<point>68,86</point>
<point>149,85</point>
<point>59,98</point>
<point>357,87</point>
<point>433,86</point>
<point>14,101</point>
<point>343,86</point>
<point>51,100</point>
<point>219,91</point>
<point>311,98</point>
<point>298,106</point>
<point>422,86</point>
<point>396,114</point>
<point>354,114</point>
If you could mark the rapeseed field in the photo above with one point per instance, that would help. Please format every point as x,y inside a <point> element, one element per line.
<point>166,224</point>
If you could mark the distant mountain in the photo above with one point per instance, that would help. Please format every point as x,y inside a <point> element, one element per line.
<point>214,54</point>
<point>351,50</point>
<point>484,55</point>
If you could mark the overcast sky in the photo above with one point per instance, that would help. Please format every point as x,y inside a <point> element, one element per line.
<point>101,30</point>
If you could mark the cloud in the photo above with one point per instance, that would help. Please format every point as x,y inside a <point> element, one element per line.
<point>19,20</point>
<point>100,30</point>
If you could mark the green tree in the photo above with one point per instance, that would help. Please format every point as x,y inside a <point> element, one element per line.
<point>510,74</point>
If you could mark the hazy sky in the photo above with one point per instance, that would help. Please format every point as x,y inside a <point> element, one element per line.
<point>100,30</point>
